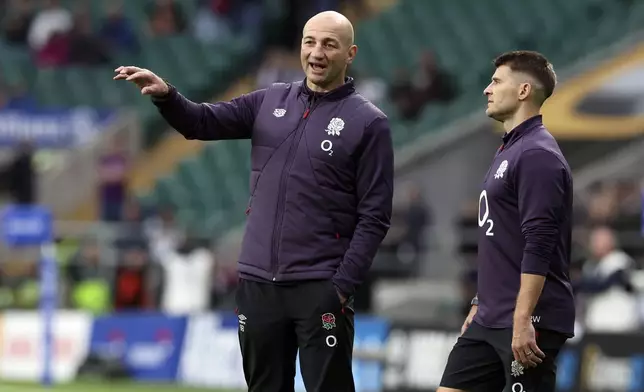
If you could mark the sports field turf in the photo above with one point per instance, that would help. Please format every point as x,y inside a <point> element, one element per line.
<point>104,387</point>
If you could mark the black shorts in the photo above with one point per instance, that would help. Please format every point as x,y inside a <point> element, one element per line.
<point>482,360</point>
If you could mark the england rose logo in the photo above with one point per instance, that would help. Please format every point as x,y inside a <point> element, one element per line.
<point>335,126</point>
<point>328,321</point>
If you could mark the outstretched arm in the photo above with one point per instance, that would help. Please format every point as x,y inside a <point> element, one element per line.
<point>203,121</point>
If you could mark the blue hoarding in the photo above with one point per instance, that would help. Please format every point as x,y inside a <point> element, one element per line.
<point>149,345</point>
<point>49,128</point>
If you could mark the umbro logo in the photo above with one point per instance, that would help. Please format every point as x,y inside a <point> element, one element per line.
<point>242,322</point>
<point>279,112</point>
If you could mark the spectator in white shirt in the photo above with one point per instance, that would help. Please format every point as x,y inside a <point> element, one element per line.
<point>612,305</point>
<point>187,279</point>
<point>52,19</point>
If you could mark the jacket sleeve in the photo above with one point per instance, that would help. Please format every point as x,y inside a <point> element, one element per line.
<point>541,183</point>
<point>374,191</point>
<point>207,121</point>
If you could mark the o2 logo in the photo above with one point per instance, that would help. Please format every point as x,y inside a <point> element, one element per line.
<point>484,215</point>
<point>517,387</point>
<point>327,146</point>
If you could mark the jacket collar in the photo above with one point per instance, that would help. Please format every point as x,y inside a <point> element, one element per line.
<point>522,129</point>
<point>338,93</point>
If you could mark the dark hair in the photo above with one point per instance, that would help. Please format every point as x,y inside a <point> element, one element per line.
<point>532,63</point>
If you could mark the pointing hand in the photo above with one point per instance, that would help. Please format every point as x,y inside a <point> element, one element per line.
<point>144,79</point>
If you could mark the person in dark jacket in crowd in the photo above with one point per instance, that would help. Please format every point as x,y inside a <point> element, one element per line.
<point>20,175</point>
<point>320,205</point>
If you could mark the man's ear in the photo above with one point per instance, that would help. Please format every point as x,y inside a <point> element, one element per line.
<point>352,54</point>
<point>525,89</point>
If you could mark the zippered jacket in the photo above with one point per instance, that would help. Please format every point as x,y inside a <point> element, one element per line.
<point>321,185</point>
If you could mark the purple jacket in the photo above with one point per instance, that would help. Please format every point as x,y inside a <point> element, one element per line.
<point>525,226</point>
<point>321,184</point>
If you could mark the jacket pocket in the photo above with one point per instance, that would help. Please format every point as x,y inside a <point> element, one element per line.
<point>347,306</point>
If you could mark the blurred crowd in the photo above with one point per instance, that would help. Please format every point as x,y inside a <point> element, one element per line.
<point>61,34</point>
<point>58,36</point>
<point>608,267</point>
<point>145,261</point>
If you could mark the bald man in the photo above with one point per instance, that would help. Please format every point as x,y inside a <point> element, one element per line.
<point>320,203</point>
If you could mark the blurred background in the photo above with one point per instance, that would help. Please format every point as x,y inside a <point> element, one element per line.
<point>148,225</point>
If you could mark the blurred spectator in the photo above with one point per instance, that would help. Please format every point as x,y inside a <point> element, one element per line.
<point>113,167</point>
<point>187,278</point>
<point>629,197</point>
<point>166,18</point>
<point>279,66</point>
<point>84,47</point>
<point>136,282</point>
<point>164,234</point>
<point>20,175</point>
<point>612,305</point>
<point>88,280</point>
<point>117,30</point>
<point>18,22</point>
<point>53,18</point>
<point>402,94</point>
<point>26,285</point>
<point>431,82</point>
<point>211,24</point>
<point>55,52</point>
<point>413,242</point>
<point>604,204</point>
<point>131,232</point>
<point>247,17</point>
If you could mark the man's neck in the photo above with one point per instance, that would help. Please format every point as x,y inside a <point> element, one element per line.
<point>330,87</point>
<point>518,118</point>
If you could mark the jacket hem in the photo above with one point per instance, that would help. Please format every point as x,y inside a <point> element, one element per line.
<point>568,332</point>
<point>251,272</point>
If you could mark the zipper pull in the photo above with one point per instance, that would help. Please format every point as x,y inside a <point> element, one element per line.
<point>306,113</point>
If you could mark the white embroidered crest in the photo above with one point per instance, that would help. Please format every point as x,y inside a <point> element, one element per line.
<point>279,112</point>
<point>501,170</point>
<point>335,126</point>
<point>516,369</point>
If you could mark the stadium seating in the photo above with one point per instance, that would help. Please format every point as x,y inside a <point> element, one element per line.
<point>464,35</point>
<point>212,68</point>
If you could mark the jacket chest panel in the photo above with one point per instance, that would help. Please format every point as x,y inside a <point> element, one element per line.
<point>275,124</point>
<point>329,138</point>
